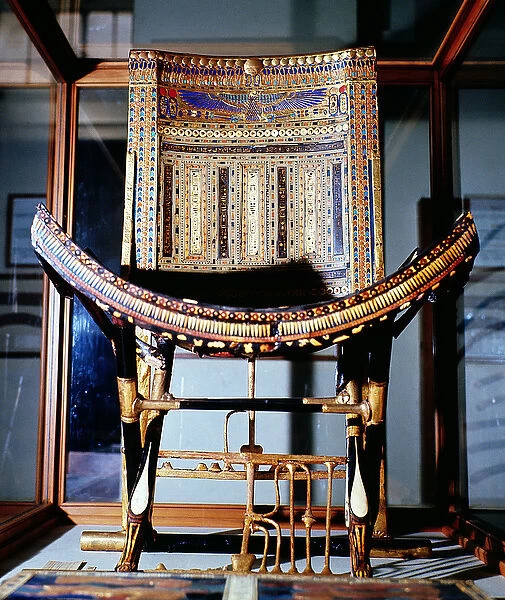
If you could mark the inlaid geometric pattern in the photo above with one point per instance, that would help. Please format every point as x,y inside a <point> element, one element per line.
<point>259,162</point>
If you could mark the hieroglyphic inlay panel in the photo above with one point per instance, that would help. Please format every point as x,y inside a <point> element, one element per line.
<point>311,194</point>
<point>336,181</point>
<point>194,201</point>
<point>195,212</point>
<point>223,251</point>
<point>167,209</point>
<point>252,211</point>
<point>282,213</point>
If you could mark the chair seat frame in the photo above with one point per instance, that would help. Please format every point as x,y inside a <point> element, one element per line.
<point>363,325</point>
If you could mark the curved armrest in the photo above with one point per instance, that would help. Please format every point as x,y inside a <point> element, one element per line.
<point>211,329</point>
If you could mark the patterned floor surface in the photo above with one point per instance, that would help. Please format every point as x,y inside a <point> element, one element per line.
<point>61,550</point>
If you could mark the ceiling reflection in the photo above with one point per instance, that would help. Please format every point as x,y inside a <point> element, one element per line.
<point>107,29</point>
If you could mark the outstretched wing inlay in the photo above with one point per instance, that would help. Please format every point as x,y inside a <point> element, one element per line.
<point>253,105</point>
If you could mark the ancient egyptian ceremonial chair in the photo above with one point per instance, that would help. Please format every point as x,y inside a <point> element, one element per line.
<point>253,228</point>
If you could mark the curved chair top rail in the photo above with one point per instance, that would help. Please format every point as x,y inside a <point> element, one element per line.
<point>211,329</point>
<point>239,69</point>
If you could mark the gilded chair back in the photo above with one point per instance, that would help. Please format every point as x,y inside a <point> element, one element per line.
<point>263,170</point>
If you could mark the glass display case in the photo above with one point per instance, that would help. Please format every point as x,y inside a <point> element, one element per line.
<point>63,68</point>
<point>26,90</point>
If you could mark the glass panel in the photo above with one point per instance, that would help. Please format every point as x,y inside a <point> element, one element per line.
<point>490,43</point>
<point>243,27</point>
<point>25,102</point>
<point>100,29</point>
<point>409,28</point>
<point>276,432</point>
<point>20,63</point>
<point>404,113</point>
<point>94,460</point>
<point>399,28</point>
<point>481,151</point>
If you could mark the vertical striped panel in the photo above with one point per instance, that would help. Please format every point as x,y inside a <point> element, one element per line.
<point>282,213</point>
<point>338,241</point>
<point>196,198</point>
<point>311,193</point>
<point>252,212</point>
<point>223,191</point>
<point>168,182</point>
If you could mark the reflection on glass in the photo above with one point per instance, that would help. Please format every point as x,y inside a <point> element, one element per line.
<point>410,29</point>
<point>97,29</point>
<point>484,318</point>
<point>404,113</point>
<point>490,43</point>
<point>94,461</point>
<point>19,61</point>
<point>24,139</point>
<point>481,151</point>
<point>399,28</point>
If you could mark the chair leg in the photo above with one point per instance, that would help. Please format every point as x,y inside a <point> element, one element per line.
<point>123,341</point>
<point>358,509</point>
<point>376,477</point>
<point>375,436</point>
<point>139,526</point>
<point>351,369</point>
<point>140,474</point>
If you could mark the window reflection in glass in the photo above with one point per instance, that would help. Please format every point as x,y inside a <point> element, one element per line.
<point>94,460</point>
<point>25,97</point>
<point>490,42</point>
<point>481,151</point>
<point>398,28</point>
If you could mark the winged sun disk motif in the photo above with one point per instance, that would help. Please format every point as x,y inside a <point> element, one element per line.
<point>254,105</point>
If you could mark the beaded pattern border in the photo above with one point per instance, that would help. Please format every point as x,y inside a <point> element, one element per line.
<point>209,329</point>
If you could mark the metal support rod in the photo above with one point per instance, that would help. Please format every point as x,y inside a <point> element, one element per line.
<point>251,393</point>
<point>326,569</point>
<point>291,469</point>
<point>277,404</point>
<point>308,520</point>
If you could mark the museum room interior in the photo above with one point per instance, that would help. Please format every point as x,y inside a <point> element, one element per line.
<point>431,76</point>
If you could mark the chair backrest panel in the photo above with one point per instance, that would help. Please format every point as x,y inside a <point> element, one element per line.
<point>255,164</point>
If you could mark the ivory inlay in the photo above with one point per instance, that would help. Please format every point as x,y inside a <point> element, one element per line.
<point>311,195</point>
<point>195,212</point>
<point>140,497</point>
<point>359,502</point>
<point>252,200</point>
